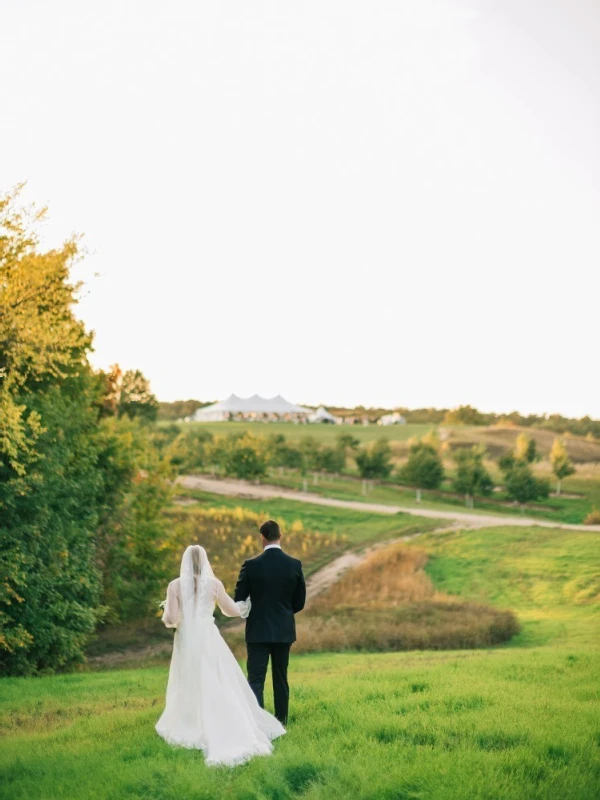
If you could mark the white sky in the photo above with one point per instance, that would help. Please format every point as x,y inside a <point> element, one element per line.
<point>393,202</point>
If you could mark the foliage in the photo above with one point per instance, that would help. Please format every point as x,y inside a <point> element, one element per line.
<point>133,529</point>
<point>424,468</point>
<point>49,481</point>
<point>178,410</point>
<point>464,415</point>
<point>246,458</point>
<point>374,461</point>
<point>231,535</point>
<point>60,475</point>
<point>562,466</point>
<point>128,394</point>
<point>593,518</point>
<point>520,482</point>
<point>471,476</point>
<point>523,486</point>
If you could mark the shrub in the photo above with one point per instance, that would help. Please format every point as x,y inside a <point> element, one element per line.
<point>593,518</point>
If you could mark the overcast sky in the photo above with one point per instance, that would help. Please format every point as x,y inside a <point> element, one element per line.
<point>393,202</point>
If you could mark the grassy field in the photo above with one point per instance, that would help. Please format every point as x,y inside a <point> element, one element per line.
<point>515,722</point>
<point>322,433</point>
<point>497,439</point>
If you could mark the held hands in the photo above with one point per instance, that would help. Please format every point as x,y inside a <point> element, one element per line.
<point>245,607</point>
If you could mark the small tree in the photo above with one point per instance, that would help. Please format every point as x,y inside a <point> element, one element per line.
<point>347,445</point>
<point>246,458</point>
<point>424,468</point>
<point>374,462</point>
<point>523,486</point>
<point>562,466</point>
<point>331,459</point>
<point>471,475</point>
<point>526,449</point>
<point>127,394</point>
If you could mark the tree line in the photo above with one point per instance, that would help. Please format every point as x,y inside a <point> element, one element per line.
<point>249,456</point>
<point>82,486</point>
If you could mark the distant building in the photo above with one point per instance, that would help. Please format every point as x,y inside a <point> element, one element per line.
<point>260,409</point>
<point>391,419</point>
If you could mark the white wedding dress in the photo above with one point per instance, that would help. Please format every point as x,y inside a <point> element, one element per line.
<point>209,704</point>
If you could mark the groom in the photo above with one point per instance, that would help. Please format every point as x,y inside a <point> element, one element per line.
<point>277,591</point>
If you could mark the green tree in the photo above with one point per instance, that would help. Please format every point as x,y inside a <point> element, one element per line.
<point>50,485</point>
<point>133,529</point>
<point>128,394</point>
<point>471,476</point>
<point>331,459</point>
<point>246,457</point>
<point>562,466</point>
<point>65,476</point>
<point>523,486</point>
<point>526,449</point>
<point>190,450</point>
<point>374,462</point>
<point>424,468</point>
<point>524,452</point>
<point>347,444</point>
<point>464,415</point>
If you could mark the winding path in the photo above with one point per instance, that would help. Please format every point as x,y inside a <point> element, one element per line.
<point>259,491</point>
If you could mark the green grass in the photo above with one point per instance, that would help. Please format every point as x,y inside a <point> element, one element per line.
<point>322,433</point>
<point>508,723</point>
<point>498,724</point>
<point>551,577</point>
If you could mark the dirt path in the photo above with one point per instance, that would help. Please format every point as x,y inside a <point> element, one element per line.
<point>253,491</point>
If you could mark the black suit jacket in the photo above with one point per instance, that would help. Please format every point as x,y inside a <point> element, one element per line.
<point>277,590</point>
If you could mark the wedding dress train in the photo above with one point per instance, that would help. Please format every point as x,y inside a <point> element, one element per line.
<point>209,704</point>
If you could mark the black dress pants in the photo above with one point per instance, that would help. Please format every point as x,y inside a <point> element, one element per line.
<point>258,660</point>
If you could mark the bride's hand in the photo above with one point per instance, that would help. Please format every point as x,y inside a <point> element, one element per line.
<point>244,607</point>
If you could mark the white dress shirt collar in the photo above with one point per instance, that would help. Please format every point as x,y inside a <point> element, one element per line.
<point>269,546</point>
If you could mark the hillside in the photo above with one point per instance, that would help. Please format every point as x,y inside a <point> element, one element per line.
<point>503,724</point>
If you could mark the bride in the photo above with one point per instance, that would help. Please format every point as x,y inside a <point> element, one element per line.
<point>210,705</point>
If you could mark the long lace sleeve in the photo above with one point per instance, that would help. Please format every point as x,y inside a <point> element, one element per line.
<point>171,611</point>
<point>228,606</point>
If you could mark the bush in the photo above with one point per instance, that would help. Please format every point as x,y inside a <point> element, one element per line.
<point>593,518</point>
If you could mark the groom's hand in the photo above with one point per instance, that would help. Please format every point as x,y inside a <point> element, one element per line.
<point>242,587</point>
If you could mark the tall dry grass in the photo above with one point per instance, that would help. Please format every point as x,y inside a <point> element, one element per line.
<point>389,603</point>
<point>389,577</point>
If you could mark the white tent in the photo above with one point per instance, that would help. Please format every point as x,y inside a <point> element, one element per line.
<point>322,415</point>
<point>391,419</point>
<point>250,407</point>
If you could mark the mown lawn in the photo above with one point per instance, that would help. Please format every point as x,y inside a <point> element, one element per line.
<point>517,722</point>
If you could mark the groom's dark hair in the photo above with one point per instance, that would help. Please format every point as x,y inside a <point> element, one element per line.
<point>270,530</point>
